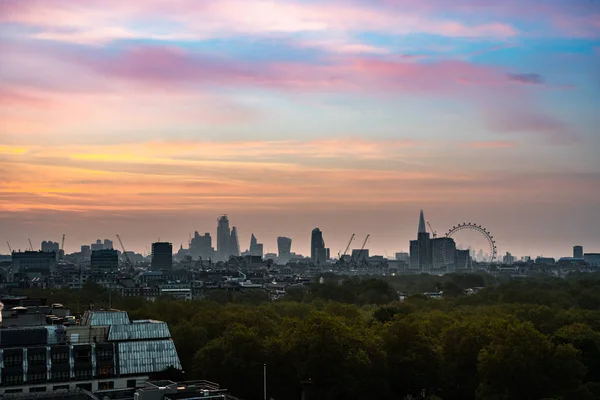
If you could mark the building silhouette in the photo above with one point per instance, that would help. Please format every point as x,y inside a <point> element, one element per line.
<point>108,244</point>
<point>34,263</point>
<point>98,245</point>
<point>443,252</point>
<point>256,249</point>
<point>105,260</point>
<point>223,239</point>
<point>577,251</point>
<point>234,243</point>
<point>318,252</point>
<point>50,246</point>
<point>284,247</point>
<point>420,249</point>
<point>201,246</point>
<point>162,256</point>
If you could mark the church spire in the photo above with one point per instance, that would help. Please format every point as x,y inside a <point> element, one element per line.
<point>422,223</point>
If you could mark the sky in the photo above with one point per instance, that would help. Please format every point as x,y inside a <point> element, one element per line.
<point>151,118</point>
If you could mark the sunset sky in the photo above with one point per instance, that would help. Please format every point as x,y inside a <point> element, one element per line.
<point>150,118</point>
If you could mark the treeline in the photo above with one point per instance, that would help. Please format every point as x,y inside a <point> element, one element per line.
<point>536,338</point>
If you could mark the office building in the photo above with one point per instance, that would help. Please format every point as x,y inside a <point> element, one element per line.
<point>420,250</point>
<point>360,256</point>
<point>402,257</point>
<point>98,245</point>
<point>443,252</point>
<point>104,261</point>
<point>318,252</point>
<point>162,256</point>
<point>33,263</point>
<point>223,239</point>
<point>508,259</point>
<point>256,249</point>
<point>86,251</point>
<point>108,244</point>
<point>49,247</point>
<point>201,246</point>
<point>463,260</point>
<point>235,243</point>
<point>578,252</point>
<point>284,247</point>
<point>593,259</point>
<point>105,353</point>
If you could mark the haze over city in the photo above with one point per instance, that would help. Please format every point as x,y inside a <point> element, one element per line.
<point>348,116</point>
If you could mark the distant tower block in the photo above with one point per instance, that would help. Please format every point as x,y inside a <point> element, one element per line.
<point>577,251</point>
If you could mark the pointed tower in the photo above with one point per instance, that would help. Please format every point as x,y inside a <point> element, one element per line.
<point>422,223</point>
<point>235,244</point>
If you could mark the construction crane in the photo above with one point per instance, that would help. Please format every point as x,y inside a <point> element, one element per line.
<point>62,247</point>
<point>9,248</point>
<point>363,247</point>
<point>124,251</point>
<point>347,247</point>
<point>361,250</point>
<point>434,233</point>
<point>30,245</point>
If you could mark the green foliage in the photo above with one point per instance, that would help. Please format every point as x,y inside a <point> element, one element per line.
<point>354,339</point>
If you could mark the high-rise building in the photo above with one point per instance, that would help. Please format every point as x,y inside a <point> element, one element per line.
<point>256,249</point>
<point>318,252</point>
<point>104,261</point>
<point>201,246</point>
<point>50,247</point>
<point>86,251</point>
<point>420,249</point>
<point>578,252</point>
<point>162,256</point>
<point>235,243</point>
<point>463,260</point>
<point>98,245</point>
<point>284,247</point>
<point>223,239</point>
<point>108,244</point>
<point>359,256</point>
<point>443,253</point>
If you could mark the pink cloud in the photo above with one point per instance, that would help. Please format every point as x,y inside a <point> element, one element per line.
<point>104,21</point>
<point>530,122</point>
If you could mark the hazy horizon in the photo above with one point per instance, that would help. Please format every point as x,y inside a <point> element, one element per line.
<point>350,116</point>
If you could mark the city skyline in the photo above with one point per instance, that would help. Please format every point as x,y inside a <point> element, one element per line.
<point>348,115</point>
<point>302,244</point>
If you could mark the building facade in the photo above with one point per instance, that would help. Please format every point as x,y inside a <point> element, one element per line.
<point>284,247</point>
<point>105,352</point>
<point>578,252</point>
<point>34,263</point>
<point>318,252</point>
<point>223,239</point>
<point>162,256</point>
<point>104,261</point>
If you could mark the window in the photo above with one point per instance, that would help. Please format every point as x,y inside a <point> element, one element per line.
<point>60,387</point>
<point>8,391</point>
<point>36,377</point>
<point>131,383</point>
<point>85,386</point>
<point>106,385</point>
<point>60,375</point>
<point>37,389</point>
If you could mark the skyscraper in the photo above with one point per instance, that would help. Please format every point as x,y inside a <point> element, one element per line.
<point>284,247</point>
<point>108,244</point>
<point>162,256</point>
<point>256,249</point>
<point>235,243</point>
<point>223,239</point>
<point>420,249</point>
<point>318,253</point>
<point>577,251</point>
<point>201,246</point>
